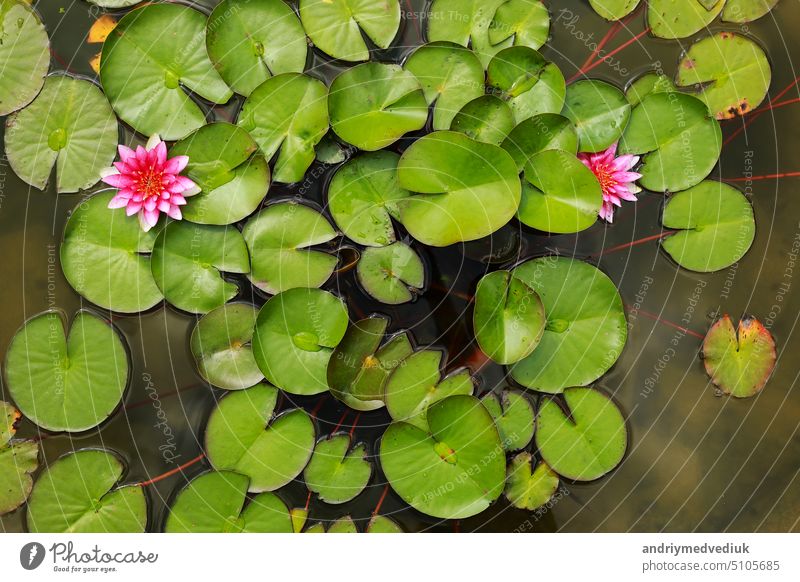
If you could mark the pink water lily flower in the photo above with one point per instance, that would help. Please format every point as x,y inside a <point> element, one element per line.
<point>149,183</point>
<point>615,177</point>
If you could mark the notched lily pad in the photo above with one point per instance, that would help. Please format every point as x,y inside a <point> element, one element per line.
<point>646,84</point>
<point>742,11</point>
<point>528,487</point>
<point>24,54</point>
<point>599,111</point>
<point>681,18</point>
<point>18,460</point>
<point>383,524</point>
<point>513,415</point>
<point>393,274</point>
<point>488,119</point>
<point>614,9</point>
<point>548,131</point>
<point>336,472</point>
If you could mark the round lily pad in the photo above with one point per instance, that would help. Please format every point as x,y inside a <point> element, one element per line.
<point>588,443</point>
<point>526,21</point>
<point>648,83</point>
<point>243,436</point>
<point>336,28</point>
<point>295,334</point>
<point>79,493</point>
<point>392,274</point>
<point>453,471</point>
<point>105,257</point>
<point>529,488</point>
<point>70,126</point>
<point>715,223</point>
<point>559,194</point>
<point>509,317</point>
<point>24,55</point>
<point>343,525</point>
<point>465,189</point>
<point>383,524</point>
<point>599,111</point>
<point>614,9</point>
<point>741,360</point>
<point>732,71</point>
<point>364,196</point>
<point>373,105</point>
<point>337,473</point>
<point>248,42</point>
<point>67,382</point>
<point>18,460</point>
<point>214,502</point>
<point>233,178</point>
<point>742,11</point>
<point>144,71</point>
<point>488,119</point>
<point>114,3</point>
<point>221,348</point>
<point>513,415</point>
<point>451,76</point>
<point>548,131</point>
<point>287,112</point>
<point>278,238</point>
<point>678,139</point>
<point>681,18</point>
<point>586,327</point>
<point>418,382</point>
<point>188,260</point>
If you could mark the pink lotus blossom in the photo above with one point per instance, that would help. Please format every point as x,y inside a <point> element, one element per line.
<point>615,177</point>
<point>149,183</point>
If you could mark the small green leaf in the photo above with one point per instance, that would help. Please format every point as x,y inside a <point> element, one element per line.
<point>599,111</point>
<point>391,274</point>
<point>528,488</point>
<point>513,415</point>
<point>18,460</point>
<point>383,524</point>
<point>336,473</point>
<point>24,55</point>
<point>646,84</point>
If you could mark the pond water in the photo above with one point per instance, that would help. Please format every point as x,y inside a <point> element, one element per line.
<point>696,461</point>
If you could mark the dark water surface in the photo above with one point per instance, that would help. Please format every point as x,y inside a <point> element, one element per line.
<point>696,461</point>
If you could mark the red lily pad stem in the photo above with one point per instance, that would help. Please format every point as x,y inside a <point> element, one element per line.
<point>172,472</point>
<point>599,62</point>
<point>755,114</point>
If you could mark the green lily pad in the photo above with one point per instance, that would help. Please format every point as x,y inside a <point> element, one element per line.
<point>527,21</point>
<point>67,382</point>
<point>715,223</point>
<point>336,27</point>
<point>680,18</point>
<point>248,42</point>
<point>529,488</point>
<point>18,459</point>
<point>599,111</point>
<point>242,435</point>
<point>559,194</point>
<point>547,131</point>
<point>343,525</point>
<point>383,524</point>
<point>739,361</point>
<point>586,327</point>
<point>188,260</point>
<point>465,189</point>
<point>454,471</point>
<point>392,274</point>
<point>295,334</point>
<point>233,179</point>
<point>732,71</point>
<point>488,119</point>
<point>451,76</point>
<point>70,126</point>
<point>278,238</point>
<point>646,84</point>
<point>418,382</point>
<point>678,139</point>
<point>287,112</point>
<point>588,443</point>
<point>78,493</point>
<point>337,473</point>
<point>508,319</point>
<point>114,3</point>
<point>363,197</point>
<point>614,9</point>
<point>373,105</point>
<point>24,55</point>
<point>742,11</point>
<point>513,415</point>
<point>214,502</point>
<point>144,71</point>
<point>220,344</point>
<point>361,363</point>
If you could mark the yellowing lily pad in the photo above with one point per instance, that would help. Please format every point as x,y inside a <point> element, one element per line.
<point>742,11</point>
<point>18,460</point>
<point>528,487</point>
<point>681,18</point>
<point>614,9</point>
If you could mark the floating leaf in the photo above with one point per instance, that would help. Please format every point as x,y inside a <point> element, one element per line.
<point>70,126</point>
<point>466,189</point>
<point>454,471</point>
<point>336,473</point>
<point>586,327</point>
<point>188,260</point>
<point>680,18</point>
<point>248,42</point>
<point>221,348</point>
<point>732,71</point>
<point>331,151</point>
<point>67,382</point>
<point>529,488</point>
<point>383,524</point>
<point>214,502</point>
<point>222,163</point>
<point>243,436</point>
<point>287,112</point>
<point>528,21</point>
<point>742,11</point>
<point>599,111</point>
<point>716,226</point>
<point>647,84</point>
<point>487,119</point>
<point>24,55</point>
<point>343,525</point>
<point>373,105</point>
<point>114,3</point>
<point>739,361</point>
<point>18,459</point>
<point>336,28</point>
<point>513,415</point>
<point>392,274</point>
<point>614,9</point>
<point>78,493</point>
<point>278,238</point>
<point>295,334</point>
<point>144,71</point>
<point>547,131</point>
<point>588,443</point>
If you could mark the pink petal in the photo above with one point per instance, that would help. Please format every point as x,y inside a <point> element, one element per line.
<point>118,201</point>
<point>176,165</point>
<point>118,180</point>
<point>624,177</point>
<point>150,216</point>
<point>150,204</point>
<point>133,207</point>
<point>625,162</point>
<point>143,222</point>
<point>164,205</point>
<point>141,154</point>
<point>161,153</point>
<point>177,200</point>
<point>175,213</point>
<point>125,153</point>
